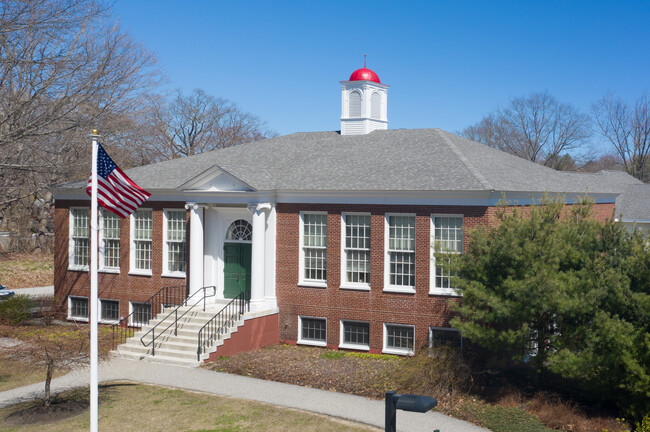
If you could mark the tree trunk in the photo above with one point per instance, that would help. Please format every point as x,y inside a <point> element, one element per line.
<point>48,380</point>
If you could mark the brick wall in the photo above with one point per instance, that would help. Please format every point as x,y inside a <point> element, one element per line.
<point>122,286</point>
<point>375,306</point>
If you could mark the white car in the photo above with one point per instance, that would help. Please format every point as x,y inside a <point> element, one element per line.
<point>5,293</point>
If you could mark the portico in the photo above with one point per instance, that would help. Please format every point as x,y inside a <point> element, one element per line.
<point>232,246</point>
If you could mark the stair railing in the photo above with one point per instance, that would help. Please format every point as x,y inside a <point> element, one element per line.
<point>144,311</point>
<point>218,325</point>
<point>192,301</point>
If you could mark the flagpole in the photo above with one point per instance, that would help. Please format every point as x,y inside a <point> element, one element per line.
<point>94,313</point>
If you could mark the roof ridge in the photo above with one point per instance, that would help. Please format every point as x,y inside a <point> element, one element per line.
<point>475,172</point>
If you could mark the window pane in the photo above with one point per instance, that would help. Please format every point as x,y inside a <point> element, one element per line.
<point>315,246</point>
<point>357,248</point>
<point>176,235</point>
<point>445,337</point>
<point>402,268</point>
<point>314,329</point>
<point>80,237</point>
<point>400,337</point>
<point>78,307</point>
<point>141,314</point>
<point>448,239</point>
<point>110,310</point>
<point>111,239</point>
<point>356,333</point>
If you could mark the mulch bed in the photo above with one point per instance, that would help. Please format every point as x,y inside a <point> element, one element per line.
<point>314,367</point>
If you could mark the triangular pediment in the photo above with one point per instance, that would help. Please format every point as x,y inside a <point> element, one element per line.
<point>216,179</point>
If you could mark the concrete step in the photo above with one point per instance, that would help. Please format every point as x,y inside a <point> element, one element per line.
<point>182,347</point>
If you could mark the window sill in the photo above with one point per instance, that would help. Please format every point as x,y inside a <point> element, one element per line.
<point>354,347</point>
<point>447,292</point>
<point>312,343</point>
<point>397,351</point>
<point>400,290</point>
<point>173,275</point>
<point>139,273</point>
<point>82,319</point>
<point>102,321</point>
<point>79,268</point>
<point>109,270</point>
<point>314,284</point>
<point>355,287</point>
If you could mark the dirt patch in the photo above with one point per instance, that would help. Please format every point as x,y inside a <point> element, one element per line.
<point>26,270</point>
<point>367,375</point>
<point>38,413</point>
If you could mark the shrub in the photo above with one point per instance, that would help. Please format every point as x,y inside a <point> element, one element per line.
<point>443,375</point>
<point>15,310</point>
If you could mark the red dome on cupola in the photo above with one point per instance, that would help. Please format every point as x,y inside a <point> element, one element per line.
<point>364,74</point>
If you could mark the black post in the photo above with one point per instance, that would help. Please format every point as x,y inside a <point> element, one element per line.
<point>391,412</point>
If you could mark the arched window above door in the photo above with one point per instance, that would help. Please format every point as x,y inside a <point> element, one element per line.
<point>240,230</point>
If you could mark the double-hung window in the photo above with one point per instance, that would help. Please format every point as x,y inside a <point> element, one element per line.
<point>141,241</point>
<point>447,239</point>
<point>109,243</point>
<point>313,245</point>
<point>79,238</point>
<point>400,253</point>
<point>355,240</point>
<point>174,233</point>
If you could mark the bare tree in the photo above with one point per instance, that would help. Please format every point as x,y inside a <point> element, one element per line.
<point>627,129</point>
<point>65,68</point>
<point>538,128</point>
<point>191,124</point>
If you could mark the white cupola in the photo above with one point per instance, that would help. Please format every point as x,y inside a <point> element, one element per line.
<point>364,103</point>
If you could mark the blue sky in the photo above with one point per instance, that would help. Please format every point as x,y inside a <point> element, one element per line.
<point>448,62</point>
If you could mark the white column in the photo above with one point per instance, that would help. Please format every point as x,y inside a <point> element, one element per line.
<point>196,246</point>
<point>258,255</point>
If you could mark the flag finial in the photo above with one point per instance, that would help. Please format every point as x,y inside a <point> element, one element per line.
<point>95,132</point>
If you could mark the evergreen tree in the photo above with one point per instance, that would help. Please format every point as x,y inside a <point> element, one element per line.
<point>552,287</point>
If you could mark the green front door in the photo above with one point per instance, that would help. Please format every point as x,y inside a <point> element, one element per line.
<point>237,269</point>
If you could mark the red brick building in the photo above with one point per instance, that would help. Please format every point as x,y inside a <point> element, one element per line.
<point>329,234</point>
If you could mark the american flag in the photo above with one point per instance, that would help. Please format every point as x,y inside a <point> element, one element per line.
<point>115,190</point>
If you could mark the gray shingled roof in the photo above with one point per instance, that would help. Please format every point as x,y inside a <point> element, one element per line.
<point>634,202</point>
<point>391,160</point>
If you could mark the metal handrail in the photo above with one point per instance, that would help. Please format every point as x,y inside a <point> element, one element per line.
<point>166,296</point>
<point>176,317</point>
<point>219,323</point>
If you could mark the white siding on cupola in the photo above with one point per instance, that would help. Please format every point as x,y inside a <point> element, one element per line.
<point>364,107</point>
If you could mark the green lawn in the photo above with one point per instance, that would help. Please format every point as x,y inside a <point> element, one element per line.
<point>132,407</point>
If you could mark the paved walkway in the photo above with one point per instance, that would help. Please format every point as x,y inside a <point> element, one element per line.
<point>46,291</point>
<point>349,407</point>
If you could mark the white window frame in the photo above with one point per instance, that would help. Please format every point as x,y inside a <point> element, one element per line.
<point>132,252</point>
<point>77,318</point>
<point>131,309</point>
<point>102,244</point>
<point>348,345</point>
<point>316,283</point>
<point>71,241</point>
<point>398,351</point>
<point>99,311</point>
<point>302,341</point>
<point>433,289</point>
<point>165,257</point>
<point>387,286</point>
<point>344,283</point>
